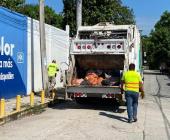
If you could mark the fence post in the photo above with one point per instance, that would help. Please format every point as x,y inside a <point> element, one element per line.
<point>32,99</point>
<point>18,103</point>
<point>2,107</point>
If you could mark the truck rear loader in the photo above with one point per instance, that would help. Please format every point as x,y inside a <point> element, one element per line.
<point>99,55</point>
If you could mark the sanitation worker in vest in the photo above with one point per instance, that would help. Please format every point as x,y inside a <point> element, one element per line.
<point>52,73</point>
<point>131,83</point>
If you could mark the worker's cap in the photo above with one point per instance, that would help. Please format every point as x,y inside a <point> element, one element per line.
<point>54,61</point>
<point>132,66</point>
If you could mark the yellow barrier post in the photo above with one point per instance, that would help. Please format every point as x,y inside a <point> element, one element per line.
<point>18,103</point>
<point>42,97</point>
<point>2,107</point>
<point>32,99</point>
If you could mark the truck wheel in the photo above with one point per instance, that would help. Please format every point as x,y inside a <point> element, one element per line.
<point>80,100</point>
<point>116,105</point>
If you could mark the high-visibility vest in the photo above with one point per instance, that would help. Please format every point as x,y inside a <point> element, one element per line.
<point>52,69</point>
<point>132,81</point>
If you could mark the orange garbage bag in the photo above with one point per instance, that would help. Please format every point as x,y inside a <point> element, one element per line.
<point>92,78</point>
<point>76,82</point>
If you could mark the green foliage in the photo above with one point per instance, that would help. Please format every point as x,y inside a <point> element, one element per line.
<point>12,4</point>
<point>106,10</point>
<point>69,15</point>
<point>164,21</point>
<point>157,45</point>
<point>30,10</point>
<point>33,11</point>
<point>50,16</point>
<point>95,11</point>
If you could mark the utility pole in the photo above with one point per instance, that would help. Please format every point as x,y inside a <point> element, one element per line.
<point>43,46</point>
<point>79,13</point>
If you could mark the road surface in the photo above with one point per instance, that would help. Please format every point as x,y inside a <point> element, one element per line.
<point>71,121</point>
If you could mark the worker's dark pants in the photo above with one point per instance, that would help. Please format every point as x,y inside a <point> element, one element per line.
<point>132,104</point>
<point>51,82</point>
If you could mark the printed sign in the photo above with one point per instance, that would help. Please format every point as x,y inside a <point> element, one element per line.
<point>13,50</point>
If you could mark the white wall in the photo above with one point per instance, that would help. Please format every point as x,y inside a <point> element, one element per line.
<point>57,47</point>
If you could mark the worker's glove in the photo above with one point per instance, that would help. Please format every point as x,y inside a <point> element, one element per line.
<point>142,94</point>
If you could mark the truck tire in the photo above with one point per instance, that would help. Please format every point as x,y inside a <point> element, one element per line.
<point>80,100</point>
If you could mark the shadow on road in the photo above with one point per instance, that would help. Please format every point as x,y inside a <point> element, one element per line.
<point>123,119</point>
<point>168,84</point>
<point>162,96</point>
<point>105,106</point>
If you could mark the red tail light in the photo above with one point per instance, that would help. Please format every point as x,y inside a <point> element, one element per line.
<point>108,46</point>
<point>88,47</point>
<point>119,46</point>
<point>79,47</point>
<point>78,94</point>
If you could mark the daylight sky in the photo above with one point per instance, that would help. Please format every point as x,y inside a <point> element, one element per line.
<point>147,12</point>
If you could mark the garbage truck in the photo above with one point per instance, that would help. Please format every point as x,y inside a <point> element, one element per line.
<point>99,55</point>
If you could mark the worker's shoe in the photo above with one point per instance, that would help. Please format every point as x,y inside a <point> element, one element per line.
<point>130,121</point>
<point>135,120</point>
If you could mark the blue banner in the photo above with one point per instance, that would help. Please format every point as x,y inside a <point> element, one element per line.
<point>13,54</point>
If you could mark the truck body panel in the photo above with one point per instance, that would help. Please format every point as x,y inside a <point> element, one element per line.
<point>104,50</point>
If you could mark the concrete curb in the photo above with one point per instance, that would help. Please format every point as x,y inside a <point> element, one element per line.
<point>36,109</point>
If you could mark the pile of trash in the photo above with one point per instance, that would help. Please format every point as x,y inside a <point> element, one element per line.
<point>97,79</point>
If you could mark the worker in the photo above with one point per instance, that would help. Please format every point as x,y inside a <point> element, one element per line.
<point>132,82</point>
<point>52,73</point>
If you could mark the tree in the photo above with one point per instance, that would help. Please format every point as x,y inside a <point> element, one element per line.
<point>106,11</point>
<point>50,16</point>
<point>12,4</point>
<point>157,45</point>
<point>30,10</point>
<point>33,11</point>
<point>69,15</point>
<point>95,11</point>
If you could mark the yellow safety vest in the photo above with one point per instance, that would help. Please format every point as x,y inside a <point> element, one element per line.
<point>132,80</point>
<point>52,69</point>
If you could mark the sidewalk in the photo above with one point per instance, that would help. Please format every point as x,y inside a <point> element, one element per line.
<point>157,102</point>
<point>26,108</point>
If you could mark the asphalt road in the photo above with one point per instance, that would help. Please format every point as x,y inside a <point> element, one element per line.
<point>71,121</point>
